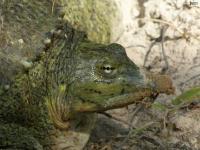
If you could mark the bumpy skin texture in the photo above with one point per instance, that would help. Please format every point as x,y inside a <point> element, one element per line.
<point>72,77</point>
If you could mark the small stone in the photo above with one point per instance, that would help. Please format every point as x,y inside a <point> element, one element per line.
<point>21,41</point>
<point>152,30</point>
<point>180,3</point>
<point>47,41</point>
<point>57,32</point>
<point>26,64</point>
<point>7,87</point>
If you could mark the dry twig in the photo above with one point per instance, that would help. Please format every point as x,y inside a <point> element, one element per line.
<point>158,40</point>
<point>137,109</point>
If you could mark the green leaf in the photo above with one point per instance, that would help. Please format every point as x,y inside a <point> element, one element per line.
<point>159,106</point>
<point>188,96</point>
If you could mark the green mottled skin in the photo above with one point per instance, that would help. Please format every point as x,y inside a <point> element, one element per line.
<point>71,78</point>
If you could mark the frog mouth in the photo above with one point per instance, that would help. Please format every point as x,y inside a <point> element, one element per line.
<point>127,99</point>
<point>162,84</point>
<point>114,102</point>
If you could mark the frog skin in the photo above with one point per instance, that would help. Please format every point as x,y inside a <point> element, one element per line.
<point>56,99</point>
<point>52,102</point>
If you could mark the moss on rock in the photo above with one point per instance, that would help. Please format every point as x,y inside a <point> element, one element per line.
<point>93,16</point>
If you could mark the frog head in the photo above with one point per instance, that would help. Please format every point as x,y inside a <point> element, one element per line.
<point>95,77</point>
<point>106,78</point>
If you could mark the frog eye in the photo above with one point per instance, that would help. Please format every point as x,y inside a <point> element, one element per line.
<point>107,68</point>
